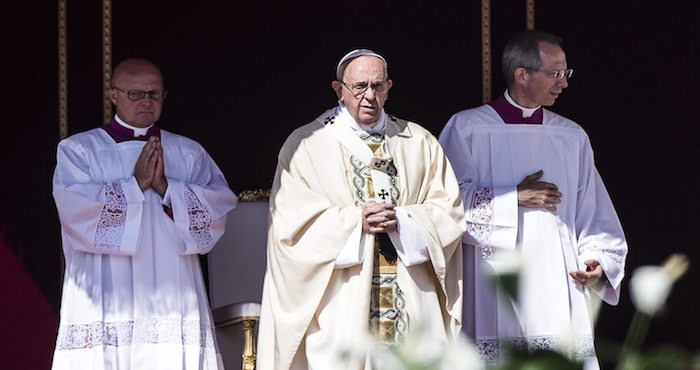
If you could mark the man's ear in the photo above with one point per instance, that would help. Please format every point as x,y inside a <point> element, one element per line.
<point>520,75</point>
<point>338,88</point>
<point>113,95</point>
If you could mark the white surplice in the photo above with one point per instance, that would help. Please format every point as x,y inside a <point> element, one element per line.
<point>133,294</point>
<point>490,158</point>
<point>312,308</point>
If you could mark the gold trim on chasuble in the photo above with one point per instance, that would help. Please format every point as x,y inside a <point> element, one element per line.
<point>387,316</point>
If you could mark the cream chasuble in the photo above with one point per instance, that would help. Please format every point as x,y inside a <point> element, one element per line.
<point>311,310</point>
<point>490,159</point>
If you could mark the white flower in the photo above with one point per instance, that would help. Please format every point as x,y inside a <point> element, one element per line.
<point>505,262</point>
<point>461,355</point>
<point>651,285</point>
<point>355,348</point>
<point>421,349</point>
<point>385,357</point>
<point>503,267</point>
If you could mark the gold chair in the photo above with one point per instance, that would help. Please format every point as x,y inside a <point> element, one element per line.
<point>247,313</point>
<point>236,269</point>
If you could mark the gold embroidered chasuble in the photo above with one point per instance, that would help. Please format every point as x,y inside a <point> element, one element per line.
<point>310,308</point>
<point>388,318</point>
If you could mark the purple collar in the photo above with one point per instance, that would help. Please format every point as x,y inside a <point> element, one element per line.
<point>120,133</point>
<point>513,115</point>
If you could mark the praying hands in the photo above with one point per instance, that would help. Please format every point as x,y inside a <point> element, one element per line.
<point>378,218</point>
<point>149,168</point>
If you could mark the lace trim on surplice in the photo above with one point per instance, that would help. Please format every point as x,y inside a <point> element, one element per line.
<point>110,225</point>
<point>126,333</point>
<point>617,255</point>
<point>200,221</point>
<point>579,348</point>
<point>480,224</point>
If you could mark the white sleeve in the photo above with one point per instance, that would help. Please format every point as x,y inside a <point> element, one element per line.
<point>409,242</point>
<point>100,218</point>
<point>599,232</point>
<point>353,251</point>
<point>200,205</point>
<point>492,213</point>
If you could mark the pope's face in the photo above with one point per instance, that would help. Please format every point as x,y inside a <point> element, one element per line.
<point>140,113</point>
<point>541,87</point>
<point>366,107</point>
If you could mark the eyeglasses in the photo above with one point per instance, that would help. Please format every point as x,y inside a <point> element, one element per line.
<point>136,95</point>
<point>360,88</point>
<point>559,75</point>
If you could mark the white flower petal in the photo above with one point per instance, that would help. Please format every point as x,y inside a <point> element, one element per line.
<point>461,355</point>
<point>505,262</point>
<point>649,288</point>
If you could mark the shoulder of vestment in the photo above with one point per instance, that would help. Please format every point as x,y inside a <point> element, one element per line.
<point>410,128</point>
<point>83,135</point>
<point>179,140</point>
<point>483,114</point>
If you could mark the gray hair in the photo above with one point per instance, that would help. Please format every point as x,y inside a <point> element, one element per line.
<point>523,50</point>
<point>345,60</point>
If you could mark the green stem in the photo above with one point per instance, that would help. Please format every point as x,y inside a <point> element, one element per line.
<point>633,341</point>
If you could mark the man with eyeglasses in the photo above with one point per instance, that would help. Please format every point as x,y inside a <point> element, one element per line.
<point>364,236</point>
<point>137,205</point>
<point>532,192</point>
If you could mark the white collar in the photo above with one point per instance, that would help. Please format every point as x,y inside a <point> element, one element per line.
<point>138,131</point>
<point>527,112</point>
<point>379,126</point>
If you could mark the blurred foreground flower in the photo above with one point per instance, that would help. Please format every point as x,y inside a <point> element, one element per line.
<point>504,268</point>
<point>419,351</point>
<point>651,285</point>
<point>505,262</point>
<point>460,354</point>
<point>649,289</point>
